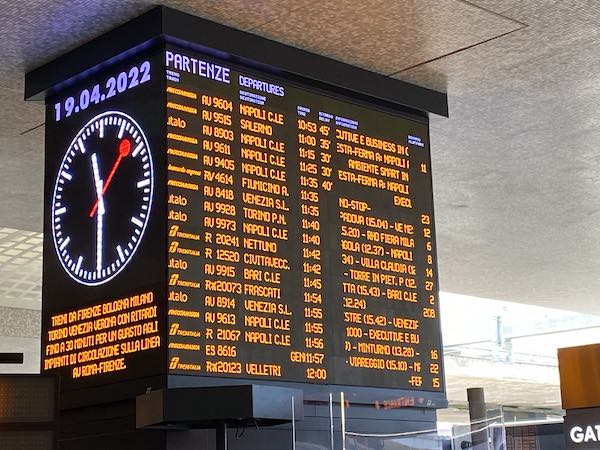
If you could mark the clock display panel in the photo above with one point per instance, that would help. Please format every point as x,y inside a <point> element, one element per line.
<point>102,198</point>
<point>104,230</point>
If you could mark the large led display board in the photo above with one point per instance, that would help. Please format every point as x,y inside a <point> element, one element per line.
<point>300,233</point>
<point>206,218</point>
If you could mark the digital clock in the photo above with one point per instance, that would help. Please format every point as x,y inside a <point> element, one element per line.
<point>102,198</point>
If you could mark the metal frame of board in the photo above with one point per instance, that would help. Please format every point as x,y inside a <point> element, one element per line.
<point>236,46</point>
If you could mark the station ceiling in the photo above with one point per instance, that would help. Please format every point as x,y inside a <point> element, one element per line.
<point>516,167</point>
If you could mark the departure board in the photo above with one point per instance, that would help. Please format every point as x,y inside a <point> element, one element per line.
<point>300,233</point>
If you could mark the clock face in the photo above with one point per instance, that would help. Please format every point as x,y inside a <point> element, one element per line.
<point>102,198</point>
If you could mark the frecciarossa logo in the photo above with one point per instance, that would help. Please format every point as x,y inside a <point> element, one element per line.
<point>590,433</point>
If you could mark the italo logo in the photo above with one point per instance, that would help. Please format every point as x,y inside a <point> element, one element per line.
<point>590,434</point>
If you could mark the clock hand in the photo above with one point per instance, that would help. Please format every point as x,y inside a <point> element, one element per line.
<point>97,184</point>
<point>101,210</point>
<point>124,149</point>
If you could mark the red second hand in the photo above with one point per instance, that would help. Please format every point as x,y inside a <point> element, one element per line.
<point>124,149</point>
